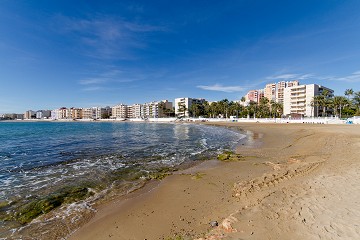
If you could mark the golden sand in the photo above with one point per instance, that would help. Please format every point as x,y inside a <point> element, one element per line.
<point>299,182</point>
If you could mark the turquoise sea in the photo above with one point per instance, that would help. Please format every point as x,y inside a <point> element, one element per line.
<point>48,160</point>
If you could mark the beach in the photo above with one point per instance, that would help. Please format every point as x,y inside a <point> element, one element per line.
<point>293,181</point>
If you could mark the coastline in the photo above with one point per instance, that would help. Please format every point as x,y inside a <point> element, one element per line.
<point>252,199</point>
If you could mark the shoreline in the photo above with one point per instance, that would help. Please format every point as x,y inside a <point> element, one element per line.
<point>179,205</point>
<point>88,207</point>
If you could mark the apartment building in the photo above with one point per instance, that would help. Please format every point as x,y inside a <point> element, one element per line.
<point>270,91</point>
<point>155,109</point>
<point>298,100</point>
<point>280,88</point>
<point>135,111</point>
<point>254,96</point>
<point>29,114</point>
<point>60,113</point>
<point>119,111</point>
<point>40,114</point>
<point>75,113</point>
<point>96,112</point>
<point>186,103</point>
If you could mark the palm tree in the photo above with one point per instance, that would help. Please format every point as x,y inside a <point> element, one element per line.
<point>338,102</point>
<point>322,100</point>
<point>276,108</point>
<point>356,100</point>
<point>349,92</point>
<point>182,109</point>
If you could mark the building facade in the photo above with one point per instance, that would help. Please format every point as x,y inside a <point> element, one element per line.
<point>182,105</point>
<point>280,88</point>
<point>43,114</point>
<point>119,111</point>
<point>254,96</point>
<point>299,100</point>
<point>30,114</point>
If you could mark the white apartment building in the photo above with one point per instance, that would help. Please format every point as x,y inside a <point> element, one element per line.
<point>95,112</point>
<point>43,114</point>
<point>298,100</point>
<point>155,109</point>
<point>134,111</point>
<point>186,102</point>
<point>60,113</point>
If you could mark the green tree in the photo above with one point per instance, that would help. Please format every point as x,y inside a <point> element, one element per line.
<point>338,103</point>
<point>182,110</point>
<point>356,101</point>
<point>349,93</point>
<point>276,109</point>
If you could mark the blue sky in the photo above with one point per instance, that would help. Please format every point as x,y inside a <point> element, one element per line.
<point>97,53</point>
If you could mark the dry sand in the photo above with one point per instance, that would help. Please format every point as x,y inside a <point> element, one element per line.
<point>301,182</point>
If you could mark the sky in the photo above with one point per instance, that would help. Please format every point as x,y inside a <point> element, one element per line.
<point>87,53</point>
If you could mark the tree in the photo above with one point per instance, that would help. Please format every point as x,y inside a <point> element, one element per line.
<point>276,109</point>
<point>196,109</point>
<point>349,93</point>
<point>182,109</point>
<point>263,108</point>
<point>105,115</point>
<point>356,100</point>
<point>338,103</point>
<point>321,101</point>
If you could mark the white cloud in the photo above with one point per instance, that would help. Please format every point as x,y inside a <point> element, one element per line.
<point>352,78</point>
<point>221,88</point>
<point>92,81</point>
<point>291,76</point>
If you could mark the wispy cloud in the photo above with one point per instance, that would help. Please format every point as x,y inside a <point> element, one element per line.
<point>106,37</point>
<point>221,88</point>
<point>91,89</point>
<point>92,81</point>
<point>352,78</point>
<point>291,76</point>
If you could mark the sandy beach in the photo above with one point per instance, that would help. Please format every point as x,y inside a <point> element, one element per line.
<point>294,181</point>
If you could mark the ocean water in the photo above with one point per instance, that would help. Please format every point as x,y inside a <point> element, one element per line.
<point>39,158</point>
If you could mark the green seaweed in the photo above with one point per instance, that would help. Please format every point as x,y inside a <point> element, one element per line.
<point>229,156</point>
<point>40,206</point>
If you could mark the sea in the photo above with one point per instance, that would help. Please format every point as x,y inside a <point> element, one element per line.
<point>64,168</point>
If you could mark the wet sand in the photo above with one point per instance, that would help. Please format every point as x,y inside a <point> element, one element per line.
<point>299,182</point>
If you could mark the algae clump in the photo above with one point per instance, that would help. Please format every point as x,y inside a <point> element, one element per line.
<point>229,156</point>
<point>44,205</point>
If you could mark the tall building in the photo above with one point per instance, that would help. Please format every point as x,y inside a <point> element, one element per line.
<point>134,111</point>
<point>270,91</point>
<point>254,96</point>
<point>298,100</point>
<point>280,88</point>
<point>185,103</point>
